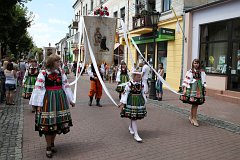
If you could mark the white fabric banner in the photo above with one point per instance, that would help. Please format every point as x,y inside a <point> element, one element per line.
<point>90,51</point>
<point>79,53</point>
<point>101,33</point>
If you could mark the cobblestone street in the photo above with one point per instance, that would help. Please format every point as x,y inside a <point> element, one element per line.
<point>175,63</point>
<point>11,120</point>
<point>100,133</point>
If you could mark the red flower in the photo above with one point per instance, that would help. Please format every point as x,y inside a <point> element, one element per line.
<point>101,13</point>
<point>44,73</point>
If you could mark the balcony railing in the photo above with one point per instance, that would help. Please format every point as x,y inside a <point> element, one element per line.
<point>141,22</point>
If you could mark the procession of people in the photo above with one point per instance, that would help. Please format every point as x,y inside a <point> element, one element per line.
<point>50,95</point>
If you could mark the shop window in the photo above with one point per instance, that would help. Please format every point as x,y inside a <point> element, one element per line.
<point>214,47</point>
<point>162,55</point>
<point>236,29</point>
<point>150,53</point>
<point>142,48</point>
<point>214,57</point>
<point>214,32</point>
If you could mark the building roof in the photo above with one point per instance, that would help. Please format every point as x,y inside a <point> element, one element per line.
<point>210,4</point>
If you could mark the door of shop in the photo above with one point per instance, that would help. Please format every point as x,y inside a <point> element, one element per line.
<point>234,67</point>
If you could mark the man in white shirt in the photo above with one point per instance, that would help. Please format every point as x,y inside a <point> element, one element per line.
<point>134,67</point>
<point>145,72</point>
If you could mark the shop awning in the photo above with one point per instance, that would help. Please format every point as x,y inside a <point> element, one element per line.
<point>116,45</point>
<point>163,34</point>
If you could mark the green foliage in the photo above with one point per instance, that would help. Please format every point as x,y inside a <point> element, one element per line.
<point>14,23</point>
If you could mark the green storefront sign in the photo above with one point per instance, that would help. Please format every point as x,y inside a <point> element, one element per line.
<point>163,34</point>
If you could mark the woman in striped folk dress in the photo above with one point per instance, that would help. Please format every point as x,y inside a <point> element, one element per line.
<point>194,90</point>
<point>52,95</point>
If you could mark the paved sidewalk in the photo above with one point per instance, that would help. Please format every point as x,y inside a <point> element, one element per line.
<point>216,112</point>
<point>11,124</point>
<point>100,133</point>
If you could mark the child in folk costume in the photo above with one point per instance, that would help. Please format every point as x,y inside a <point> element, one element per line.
<point>52,95</point>
<point>194,90</point>
<point>65,68</point>
<point>29,80</point>
<point>95,85</point>
<point>133,103</point>
<point>122,77</point>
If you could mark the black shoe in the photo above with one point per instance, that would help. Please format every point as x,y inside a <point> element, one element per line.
<point>53,148</point>
<point>98,103</point>
<point>160,99</point>
<point>90,101</point>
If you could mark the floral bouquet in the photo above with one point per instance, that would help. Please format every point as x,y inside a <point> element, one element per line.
<point>102,11</point>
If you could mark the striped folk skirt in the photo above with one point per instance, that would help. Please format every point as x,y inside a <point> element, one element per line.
<point>29,86</point>
<point>195,94</point>
<point>135,108</point>
<point>55,117</point>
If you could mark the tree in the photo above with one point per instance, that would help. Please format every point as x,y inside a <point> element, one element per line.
<point>14,23</point>
<point>38,53</point>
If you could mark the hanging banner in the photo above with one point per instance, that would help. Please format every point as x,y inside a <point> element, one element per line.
<point>94,63</point>
<point>101,33</point>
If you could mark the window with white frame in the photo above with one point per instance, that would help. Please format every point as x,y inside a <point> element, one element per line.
<point>91,5</point>
<point>166,5</point>
<point>122,13</point>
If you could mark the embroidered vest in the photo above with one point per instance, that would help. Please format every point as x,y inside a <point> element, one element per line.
<point>136,88</point>
<point>53,79</point>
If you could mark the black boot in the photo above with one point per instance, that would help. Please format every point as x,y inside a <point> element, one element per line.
<point>90,101</point>
<point>98,102</point>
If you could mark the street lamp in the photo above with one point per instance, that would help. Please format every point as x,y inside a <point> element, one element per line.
<point>154,19</point>
<point>65,52</point>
